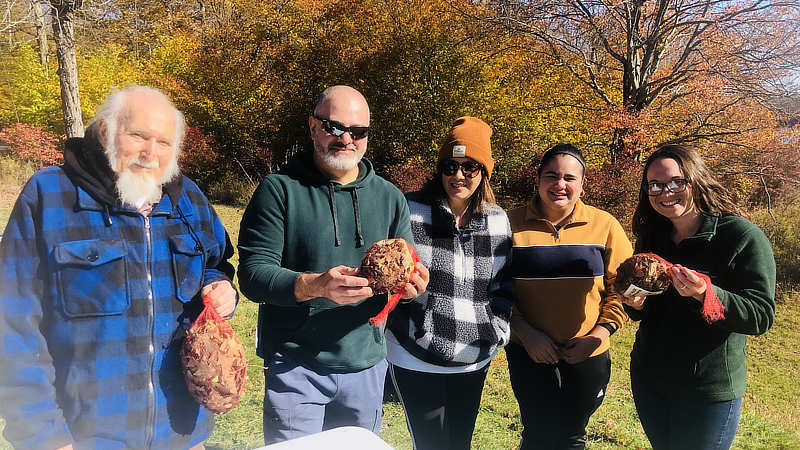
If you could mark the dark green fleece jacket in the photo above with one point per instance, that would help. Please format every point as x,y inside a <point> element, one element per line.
<point>300,221</point>
<point>675,349</point>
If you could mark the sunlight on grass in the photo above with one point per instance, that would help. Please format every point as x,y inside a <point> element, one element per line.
<point>769,418</point>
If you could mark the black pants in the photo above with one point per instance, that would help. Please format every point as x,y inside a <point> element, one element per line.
<point>556,400</point>
<point>440,408</point>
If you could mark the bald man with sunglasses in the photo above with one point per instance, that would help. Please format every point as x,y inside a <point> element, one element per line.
<point>301,241</point>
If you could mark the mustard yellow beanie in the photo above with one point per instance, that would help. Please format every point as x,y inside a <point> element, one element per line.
<point>469,138</point>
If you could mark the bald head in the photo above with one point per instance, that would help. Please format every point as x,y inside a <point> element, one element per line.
<point>338,151</point>
<point>344,99</point>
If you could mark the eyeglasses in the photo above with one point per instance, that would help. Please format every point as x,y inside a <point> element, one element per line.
<point>674,185</point>
<point>470,169</point>
<point>337,129</point>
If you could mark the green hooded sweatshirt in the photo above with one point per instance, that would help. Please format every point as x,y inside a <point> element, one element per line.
<point>301,221</point>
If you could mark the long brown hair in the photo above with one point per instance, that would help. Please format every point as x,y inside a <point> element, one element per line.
<point>710,197</point>
<point>434,190</point>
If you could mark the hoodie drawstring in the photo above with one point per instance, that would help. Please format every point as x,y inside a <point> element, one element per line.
<point>337,241</point>
<point>359,239</point>
<point>107,216</point>
<point>334,212</point>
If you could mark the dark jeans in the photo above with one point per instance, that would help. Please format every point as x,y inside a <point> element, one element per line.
<point>440,408</point>
<point>676,422</point>
<point>556,400</point>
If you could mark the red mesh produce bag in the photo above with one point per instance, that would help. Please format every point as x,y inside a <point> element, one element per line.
<point>648,274</point>
<point>388,265</point>
<point>214,364</point>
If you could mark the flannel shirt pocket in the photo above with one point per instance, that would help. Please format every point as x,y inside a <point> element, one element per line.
<point>92,277</point>
<point>188,262</point>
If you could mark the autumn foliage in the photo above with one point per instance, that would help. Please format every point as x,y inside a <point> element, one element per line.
<point>409,176</point>
<point>614,188</point>
<point>246,75</point>
<point>198,159</point>
<point>32,144</point>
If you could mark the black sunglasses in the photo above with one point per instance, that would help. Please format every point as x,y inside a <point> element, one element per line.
<point>469,168</point>
<point>337,129</point>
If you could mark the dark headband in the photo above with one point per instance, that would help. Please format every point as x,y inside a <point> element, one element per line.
<point>563,148</point>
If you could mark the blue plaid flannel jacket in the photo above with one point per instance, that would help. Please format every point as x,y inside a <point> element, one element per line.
<point>93,303</point>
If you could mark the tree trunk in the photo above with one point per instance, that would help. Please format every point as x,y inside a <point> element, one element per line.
<point>41,34</point>
<point>620,148</point>
<point>617,146</point>
<point>63,33</point>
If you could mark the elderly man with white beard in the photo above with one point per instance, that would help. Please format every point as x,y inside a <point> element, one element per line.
<point>106,261</point>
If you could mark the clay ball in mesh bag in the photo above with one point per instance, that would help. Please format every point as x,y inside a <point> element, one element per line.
<point>644,271</point>
<point>214,365</point>
<point>387,265</point>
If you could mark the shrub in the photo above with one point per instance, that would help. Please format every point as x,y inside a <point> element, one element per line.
<point>230,191</point>
<point>14,172</point>
<point>32,144</point>
<point>212,165</point>
<point>409,176</point>
<point>198,158</point>
<point>615,188</point>
<point>522,184</point>
<point>778,174</point>
<point>783,230</point>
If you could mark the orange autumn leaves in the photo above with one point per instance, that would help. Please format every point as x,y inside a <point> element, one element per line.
<point>246,74</point>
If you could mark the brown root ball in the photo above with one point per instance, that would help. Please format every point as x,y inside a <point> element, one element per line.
<point>645,271</point>
<point>214,365</point>
<point>387,265</point>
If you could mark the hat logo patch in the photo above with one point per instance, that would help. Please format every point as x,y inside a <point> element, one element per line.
<point>459,151</point>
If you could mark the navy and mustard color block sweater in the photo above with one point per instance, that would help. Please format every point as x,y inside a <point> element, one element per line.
<point>676,350</point>
<point>563,278</point>
<point>93,301</point>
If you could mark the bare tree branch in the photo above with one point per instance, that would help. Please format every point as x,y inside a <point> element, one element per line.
<point>661,46</point>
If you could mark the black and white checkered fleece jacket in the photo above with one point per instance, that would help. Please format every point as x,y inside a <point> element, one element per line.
<point>464,315</point>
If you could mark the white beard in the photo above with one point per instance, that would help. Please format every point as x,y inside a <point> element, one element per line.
<point>139,189</point>
<point>339,162</point>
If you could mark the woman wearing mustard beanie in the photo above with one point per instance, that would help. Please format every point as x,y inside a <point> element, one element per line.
<point>440,343</point>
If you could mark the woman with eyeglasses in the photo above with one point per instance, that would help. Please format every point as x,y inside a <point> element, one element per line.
<point>564,259</point>
<point>440,344</point>
<point>688,370</point>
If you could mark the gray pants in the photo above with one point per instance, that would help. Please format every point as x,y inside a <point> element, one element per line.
<point>299,401</point>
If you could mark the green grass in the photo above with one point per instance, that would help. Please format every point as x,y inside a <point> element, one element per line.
<point>4,213</point>
<point>13,175</point>
<point>769,418</point>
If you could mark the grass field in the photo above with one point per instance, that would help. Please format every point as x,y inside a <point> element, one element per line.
<point>770,419</point>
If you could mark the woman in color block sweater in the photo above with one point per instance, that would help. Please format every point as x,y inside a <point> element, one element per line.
<point>564,259</point>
